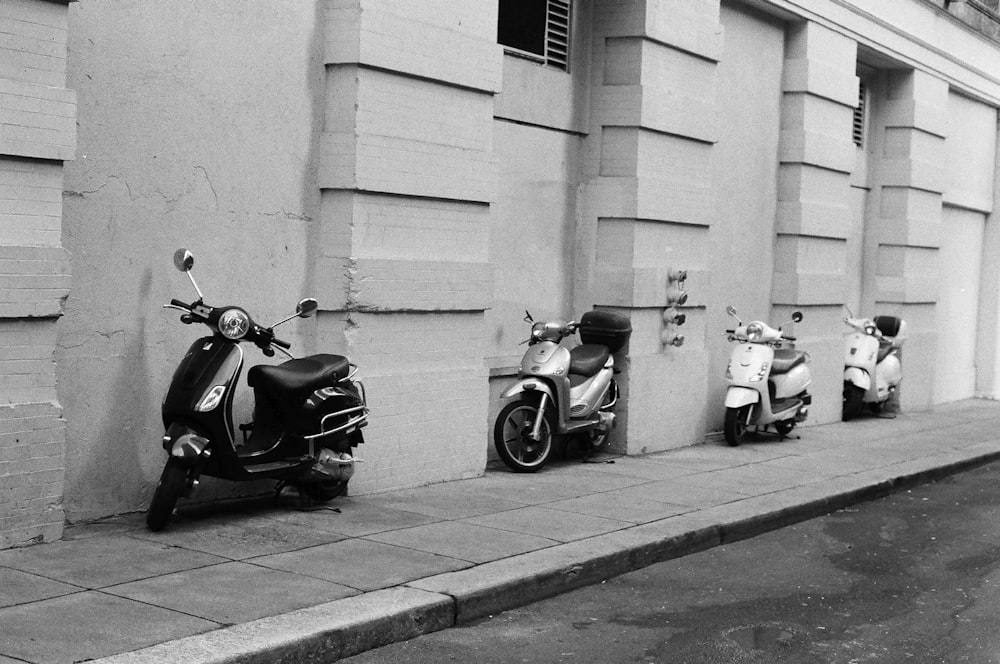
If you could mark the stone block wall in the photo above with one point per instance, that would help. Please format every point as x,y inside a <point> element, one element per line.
<point>812,221</point>
<point>37,133</point>
<point>408,176</point>
<point>647,203</point>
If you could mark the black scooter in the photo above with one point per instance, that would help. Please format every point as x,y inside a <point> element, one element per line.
<point>308,412</point>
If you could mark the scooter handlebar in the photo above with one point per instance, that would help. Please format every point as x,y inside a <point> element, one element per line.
<point>178,303</point>
<point>279,342</point>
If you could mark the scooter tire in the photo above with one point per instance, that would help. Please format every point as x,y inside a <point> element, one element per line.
<point>735,426</point>
<point>509,432</point>
<point>854,401</point>
<point>173,479</point>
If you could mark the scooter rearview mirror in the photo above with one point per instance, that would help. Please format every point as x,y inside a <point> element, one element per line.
<point>306,307</point>
<point>183,259</point>
<point>527,317</point>
<point>796,316</point>
<point>731,310</point>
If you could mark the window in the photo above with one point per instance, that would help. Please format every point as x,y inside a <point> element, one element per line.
<point>537,29</point>
<point>859,117</point>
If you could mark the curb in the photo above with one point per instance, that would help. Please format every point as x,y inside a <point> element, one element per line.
<point>346,627</point>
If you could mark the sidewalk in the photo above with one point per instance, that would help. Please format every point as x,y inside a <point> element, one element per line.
<point>259,583</point>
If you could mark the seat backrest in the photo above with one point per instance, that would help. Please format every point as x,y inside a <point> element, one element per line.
<point>888,325</point>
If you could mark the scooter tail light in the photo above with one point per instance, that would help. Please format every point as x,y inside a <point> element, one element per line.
<point>211,399</point>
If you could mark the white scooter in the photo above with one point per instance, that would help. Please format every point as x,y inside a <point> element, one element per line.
<point>561,392</point>
<point>767,383</point>
<point>872,370</point>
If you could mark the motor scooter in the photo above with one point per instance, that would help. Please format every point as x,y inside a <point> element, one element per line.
<point>561,392</point>
<point>872,369</point>
<point>307,417</point>
<point>767,382</point>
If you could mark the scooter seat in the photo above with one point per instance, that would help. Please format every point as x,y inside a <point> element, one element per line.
<point>305,374</point>
<point>588,359</point>
<point>786,359</point>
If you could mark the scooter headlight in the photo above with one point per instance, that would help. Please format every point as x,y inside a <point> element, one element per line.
<point>755,331</point>
<point>234,324</point>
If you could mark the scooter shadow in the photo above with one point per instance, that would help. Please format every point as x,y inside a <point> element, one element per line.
<point>241,510</point>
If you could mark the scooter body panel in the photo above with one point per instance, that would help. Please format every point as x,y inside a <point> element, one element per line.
<point>860,350</point>
<point>546,377</point>
<point>587,397</point>
<point>750,363</point>
<point>210,363</point>
<point>888,374</point>
<point>792,383</point>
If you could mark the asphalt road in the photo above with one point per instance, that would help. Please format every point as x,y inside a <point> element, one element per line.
<point>914,578</point>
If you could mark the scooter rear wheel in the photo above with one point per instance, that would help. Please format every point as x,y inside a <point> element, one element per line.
<point>735,426</point>
<point>173,479</point>
<point>324,492</point>
<point>512,442</point>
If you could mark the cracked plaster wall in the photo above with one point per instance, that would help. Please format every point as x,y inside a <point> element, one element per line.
<point>197,123</point>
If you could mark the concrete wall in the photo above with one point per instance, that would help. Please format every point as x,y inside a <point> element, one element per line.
<point>408,176</point>
<point>745,167</point>
<point>37,135</point>
<point>968,199</point>
<point>198,128</point>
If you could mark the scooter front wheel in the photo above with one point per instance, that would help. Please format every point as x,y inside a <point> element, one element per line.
<point>735,426</point>
<point>173,479</point>
<point>512,439</point>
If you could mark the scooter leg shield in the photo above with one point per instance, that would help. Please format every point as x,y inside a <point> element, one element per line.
<point>857,377</point>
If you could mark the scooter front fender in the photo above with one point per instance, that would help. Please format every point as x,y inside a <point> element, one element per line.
<point>532,385</point>
<point>737,397</point>
<point>858,377</point>
<point>185,443</point>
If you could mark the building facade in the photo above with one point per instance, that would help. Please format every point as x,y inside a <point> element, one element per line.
<point>430,170</point>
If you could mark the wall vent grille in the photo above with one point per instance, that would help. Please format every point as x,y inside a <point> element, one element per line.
<point>859,118</point>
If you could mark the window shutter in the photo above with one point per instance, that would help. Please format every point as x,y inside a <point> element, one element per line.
<point>557,34</point>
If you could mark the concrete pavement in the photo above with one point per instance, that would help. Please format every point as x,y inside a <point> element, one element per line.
<point>254,582</point>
